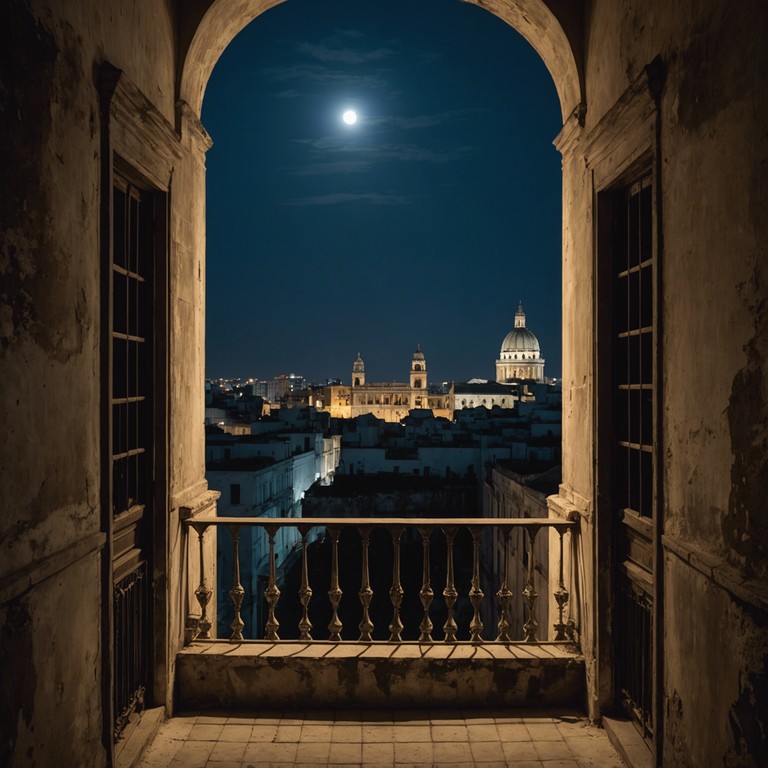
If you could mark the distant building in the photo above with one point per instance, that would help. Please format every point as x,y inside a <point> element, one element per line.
<point>487,394</point>
<point>265,474</point>
<point>520,356</point>
<point>390,401</point>
<point>507,494</point>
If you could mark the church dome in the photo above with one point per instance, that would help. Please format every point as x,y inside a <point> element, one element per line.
<point>418,354</point>
<point>520,340</point>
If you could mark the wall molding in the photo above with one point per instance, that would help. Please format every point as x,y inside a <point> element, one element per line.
<point>718,571</point>
<point>27,578</point>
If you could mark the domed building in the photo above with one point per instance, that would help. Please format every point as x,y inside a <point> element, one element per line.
<point>520,356</point>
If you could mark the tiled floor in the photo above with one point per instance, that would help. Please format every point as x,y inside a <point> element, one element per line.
<point>414,739</point>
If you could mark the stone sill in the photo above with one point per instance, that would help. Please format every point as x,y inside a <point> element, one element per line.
<point>252,675</point>
<point>322,649</point>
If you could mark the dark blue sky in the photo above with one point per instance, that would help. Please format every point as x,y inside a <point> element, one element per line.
<point>423,223</point>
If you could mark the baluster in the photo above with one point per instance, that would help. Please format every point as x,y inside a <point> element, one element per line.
<point>365,593</point>
<point>561,594</point>
<point>449,593</point>
<point>237,592</point>
<point>426,594</point>
<point>505,594</point>
<point>305,593</point>
<point>334,593</point>
<point>202,593</point>
<point>396,591</point>
<point>529,593</point>
<point>475,593</point>
<point>271,593</point>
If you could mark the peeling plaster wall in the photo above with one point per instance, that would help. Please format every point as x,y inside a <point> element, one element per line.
<point>50,699</point>
<point>50,304</point>
<point>713,161</point>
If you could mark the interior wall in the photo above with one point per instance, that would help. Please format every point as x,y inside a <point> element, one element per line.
<point>714,396</point>
<point>51,592</point>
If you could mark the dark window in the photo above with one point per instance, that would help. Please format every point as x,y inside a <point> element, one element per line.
<point>633,351</point>
<point>132,272</point>
<point>234,493</point>
<point>131,417</point>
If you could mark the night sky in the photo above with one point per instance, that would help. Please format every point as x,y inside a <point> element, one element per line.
<point>425,222</point>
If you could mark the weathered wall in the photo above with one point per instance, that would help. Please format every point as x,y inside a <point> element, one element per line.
<point>50,699</point>
<point>50,328</point>
<point>714,391</point>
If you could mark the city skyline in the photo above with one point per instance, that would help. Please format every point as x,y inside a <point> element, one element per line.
<point>424,221</point>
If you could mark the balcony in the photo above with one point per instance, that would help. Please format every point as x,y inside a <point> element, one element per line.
<point>461,639</point>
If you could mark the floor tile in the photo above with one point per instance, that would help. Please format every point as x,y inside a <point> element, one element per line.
<point>413,751</point>
<point>290,733</point>
<point>519,750</point>
<point>484,751</point>
<point>263,733</point>
<point>232,750</point>
<point>344,753</point>
<point>206,732</point>
<point>411,733</point>
<point>486,732</point>
<point>513,732</point>
<point>261,753</point>
<point>313,753</point>
<point>544,731</point>
<point>350,734</point>
<point>378,753</point>
<point>378,732</point>
<point>193,754</point>
<point>315,732</point>
<point>453,732</point>
<point>236,733</point>
<point>447,753</point>
<point>553,750</point>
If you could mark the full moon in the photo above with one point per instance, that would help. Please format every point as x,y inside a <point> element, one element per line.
<point>349,117</point>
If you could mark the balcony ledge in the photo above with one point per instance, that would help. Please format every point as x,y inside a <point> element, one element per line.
<point>295,675</point>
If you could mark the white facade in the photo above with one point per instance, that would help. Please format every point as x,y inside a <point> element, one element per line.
<point>520,356</point>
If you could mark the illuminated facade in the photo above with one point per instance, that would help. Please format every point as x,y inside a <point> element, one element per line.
<point>520,356</point>
<point>390,401</point>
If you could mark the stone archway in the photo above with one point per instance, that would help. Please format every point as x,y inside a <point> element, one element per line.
<point>533,19</point>
<point>554,30</point>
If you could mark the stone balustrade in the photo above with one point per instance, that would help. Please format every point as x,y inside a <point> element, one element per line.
<point>446,530</point>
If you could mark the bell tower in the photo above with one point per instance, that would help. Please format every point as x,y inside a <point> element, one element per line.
<point>418,370</point>
<point>358,372</point>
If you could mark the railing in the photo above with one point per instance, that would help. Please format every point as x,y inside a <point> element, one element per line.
<point>422,528</point>
<point>131,663</point>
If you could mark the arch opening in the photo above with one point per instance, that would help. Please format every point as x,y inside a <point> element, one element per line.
<point>532,19</point>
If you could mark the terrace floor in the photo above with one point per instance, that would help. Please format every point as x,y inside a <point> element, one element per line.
<point>416,739</point>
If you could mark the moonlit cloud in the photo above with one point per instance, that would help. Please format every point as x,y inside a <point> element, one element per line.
<point>422,121</point>
<point>336,198</point>
<point>319,74</point>
<point>341,166</point>
<point>366,156</point>
<point>343,55</point>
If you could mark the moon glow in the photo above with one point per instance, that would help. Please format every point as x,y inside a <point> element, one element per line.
<point>349,117</point>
